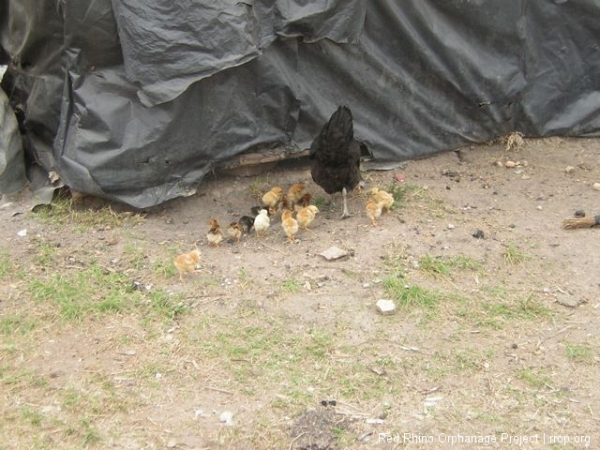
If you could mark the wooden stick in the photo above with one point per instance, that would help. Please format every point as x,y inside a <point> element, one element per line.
<point>581,222</point>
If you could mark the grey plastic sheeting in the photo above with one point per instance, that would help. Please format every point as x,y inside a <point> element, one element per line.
<point>137,100</point>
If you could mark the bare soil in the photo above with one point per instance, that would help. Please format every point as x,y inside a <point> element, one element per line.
<point>269,330</point>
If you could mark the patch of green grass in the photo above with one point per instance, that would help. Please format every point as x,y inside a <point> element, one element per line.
<point>62,212</point>
<point>527,308</point>
<point>442,266</point>
<point>579,352</point>
<point>6,265</point>
<point>320,201</point>
<point>403,193</point>
<point>291,285</point>
<point>47,253</point>
<point>32,416</point>
<point>95,291</point>
<point>410,295</point>
<point>12,324</point>
<point>534,378</point>
<point>513,255</point>
<point>435,266</point>
<point>167,305</point>
<point>256,187</point>
<point>89,291</point>
<point>135,255</point>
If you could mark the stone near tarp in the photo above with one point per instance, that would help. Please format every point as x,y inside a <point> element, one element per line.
<point>333,253</point>
<point>386,307</point>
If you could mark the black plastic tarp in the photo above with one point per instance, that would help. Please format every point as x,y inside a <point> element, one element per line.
<point>137,100</point>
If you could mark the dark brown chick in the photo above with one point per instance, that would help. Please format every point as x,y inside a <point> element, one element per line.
<point>295,193</point>
<point>235,231</point>
<point>246,223</point>
<point>214,235</point>
<point>304,201</point>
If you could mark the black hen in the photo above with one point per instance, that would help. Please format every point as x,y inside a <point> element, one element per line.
<point>335,156</point>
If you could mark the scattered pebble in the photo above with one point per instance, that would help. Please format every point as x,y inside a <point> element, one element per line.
<point>226,417</point>
<point>579,213</point>
<point>451,226</point>
<point>510,164</point>
<point>478,234</point>
<point>597,186</point>
<point>386,307</point>
<point>539,207</point>
<point>569,169</point>
<point>568,300</point>
<point>22,233</point>
<point>333,253</point>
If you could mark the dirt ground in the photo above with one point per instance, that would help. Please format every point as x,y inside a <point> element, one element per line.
<point>494,344</point>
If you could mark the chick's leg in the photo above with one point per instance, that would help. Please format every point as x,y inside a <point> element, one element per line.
<point>345,213</point>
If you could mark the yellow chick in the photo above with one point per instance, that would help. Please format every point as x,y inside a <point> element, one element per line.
<point>289,224</point>
<point>373,211</point>
<point>187,263</point>
<point>382,197</point>
<point>306,215</point>
<point>273,197</point>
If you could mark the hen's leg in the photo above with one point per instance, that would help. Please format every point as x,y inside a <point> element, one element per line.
<point>345,213</point>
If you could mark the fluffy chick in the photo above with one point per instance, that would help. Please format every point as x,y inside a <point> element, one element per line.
<point>385,199</point>
<point>273,197</point>
<point>295,193</point>
<point>373,211</point>
<point>247,223</point>
<point>256,209</point>
<point>214,235</point>
<point>306,215</point>
<point>289,224</point>
<point>261,222</point>
<point>235,231</point>
<point>187,263</point>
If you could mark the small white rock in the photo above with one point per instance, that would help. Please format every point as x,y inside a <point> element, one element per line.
<point>22,233</point>
<point>386,307</point>
<point>597,186</point>
<point>569,169</point>
<point>451,226</point>
<point>510,164</point>
<point>539,207</point>
<point>226,417</point>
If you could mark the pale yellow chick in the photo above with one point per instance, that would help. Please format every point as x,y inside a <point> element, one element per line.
<point>261,222</point>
